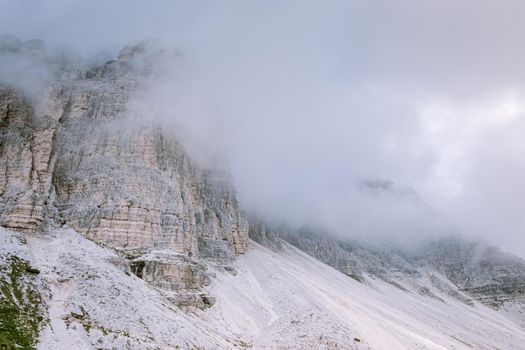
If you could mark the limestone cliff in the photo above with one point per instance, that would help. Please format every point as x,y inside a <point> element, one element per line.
<point>26,164</point>
<point>72,158</point>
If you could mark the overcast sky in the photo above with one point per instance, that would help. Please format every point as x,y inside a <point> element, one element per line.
<point>313,101</point>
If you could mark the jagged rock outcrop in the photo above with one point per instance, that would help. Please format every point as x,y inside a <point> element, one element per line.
<point>182,277</point>
<point>74,157</point>
<point>485,272</point>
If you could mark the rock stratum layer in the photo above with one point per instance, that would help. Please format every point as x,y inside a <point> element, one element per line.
<point>73,157</point>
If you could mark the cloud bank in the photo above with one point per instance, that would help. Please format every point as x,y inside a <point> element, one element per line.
<point>373,119</point>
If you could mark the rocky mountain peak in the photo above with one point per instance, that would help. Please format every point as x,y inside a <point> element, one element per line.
<point>130,188</point>
<point>110,228</point>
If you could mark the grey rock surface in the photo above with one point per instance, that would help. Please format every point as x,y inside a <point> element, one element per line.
<point>26,164</point>
<point>483,271</point>
<point>72,157</point>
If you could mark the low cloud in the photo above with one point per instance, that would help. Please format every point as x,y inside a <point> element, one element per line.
<point>310,100</point>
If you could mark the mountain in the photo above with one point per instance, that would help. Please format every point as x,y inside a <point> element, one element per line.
<point>114,236</point>
<point>72,160</point>
<point>471,270</point>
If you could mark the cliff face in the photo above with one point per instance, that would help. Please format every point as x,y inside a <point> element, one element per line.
<point>26,164</point>
<point>72,158</point>
<point>488,274</point>
<point>136,189</point>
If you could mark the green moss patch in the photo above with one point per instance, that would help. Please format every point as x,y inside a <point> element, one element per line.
<point>20,305</point>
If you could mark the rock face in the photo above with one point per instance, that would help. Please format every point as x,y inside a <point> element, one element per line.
<point>73,158</point>
<point>175,272</point>
<point>25,164</point>
<point>488,274</point>
<point>22,311</point>
<point>471,270</point>
<point>350,257</point>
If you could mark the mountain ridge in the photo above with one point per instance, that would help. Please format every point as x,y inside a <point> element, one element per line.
<point>121,239</point>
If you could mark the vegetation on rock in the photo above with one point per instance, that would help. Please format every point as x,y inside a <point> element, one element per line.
<point>20,305</point>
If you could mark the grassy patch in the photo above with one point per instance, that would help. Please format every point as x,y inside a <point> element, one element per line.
<point>20,305</point>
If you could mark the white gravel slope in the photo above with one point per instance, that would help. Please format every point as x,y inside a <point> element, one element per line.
<point>92,304</point>
<point>275,301</point>
<point>290,300</point>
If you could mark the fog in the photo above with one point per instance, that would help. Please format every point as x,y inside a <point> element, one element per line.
<point>372,119</point>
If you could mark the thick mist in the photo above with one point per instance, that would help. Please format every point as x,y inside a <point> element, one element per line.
<point>374,119</point>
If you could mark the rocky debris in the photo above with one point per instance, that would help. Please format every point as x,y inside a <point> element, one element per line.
<point>182,277</point>
<point>87,302</point>
<point>289,300</point>
<point>446,286</point>
<point>468,270</point>
<point>189,302</point>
